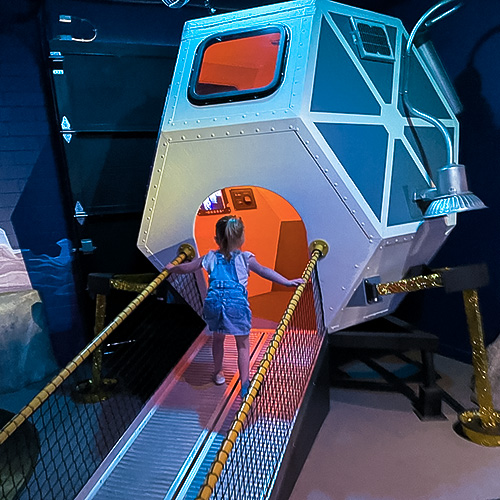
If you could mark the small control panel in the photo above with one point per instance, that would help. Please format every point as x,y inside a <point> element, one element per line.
<point>243,199</point>
<point>215,204</point>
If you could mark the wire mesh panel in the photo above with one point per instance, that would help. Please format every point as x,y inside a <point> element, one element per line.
<point>186,286</point>
<point>54,452</point>
<point>255,458</point>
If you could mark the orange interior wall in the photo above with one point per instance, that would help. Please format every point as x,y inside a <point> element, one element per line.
<point>234,62</point>
<point>275,233</point>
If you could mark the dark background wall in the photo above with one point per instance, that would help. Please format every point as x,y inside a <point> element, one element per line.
<point>468,43</point>
<point>32,197</point>
<point>37,190</point>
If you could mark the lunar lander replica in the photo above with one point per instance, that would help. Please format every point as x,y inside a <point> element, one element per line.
<point>307,102</point>
<point>311,120</point>
<point>321,125</point>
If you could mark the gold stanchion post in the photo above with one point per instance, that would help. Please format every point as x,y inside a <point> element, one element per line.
<point>480,426</point>
<point>96,389</point>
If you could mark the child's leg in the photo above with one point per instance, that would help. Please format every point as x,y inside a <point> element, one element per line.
<point>218,350</point>
<point>243,346</point>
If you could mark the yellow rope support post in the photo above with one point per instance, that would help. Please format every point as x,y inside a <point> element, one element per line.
<point>130,282</point>
<point>185,252</point>
<point>481,426</point>
<point>100,320</point>
<point>415,284</point>
<point>318,249</point>
<point>97,388</point>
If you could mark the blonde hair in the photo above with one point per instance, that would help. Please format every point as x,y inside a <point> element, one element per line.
<point>228,232</point>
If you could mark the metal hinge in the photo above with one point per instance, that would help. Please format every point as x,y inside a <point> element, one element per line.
<point>80,213</point>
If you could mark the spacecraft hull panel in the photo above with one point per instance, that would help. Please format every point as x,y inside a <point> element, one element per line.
<point>332,140</point>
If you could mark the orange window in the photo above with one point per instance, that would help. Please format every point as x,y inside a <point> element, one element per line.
<point>238,66</point>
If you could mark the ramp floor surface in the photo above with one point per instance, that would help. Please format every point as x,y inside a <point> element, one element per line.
<point>170,446</point>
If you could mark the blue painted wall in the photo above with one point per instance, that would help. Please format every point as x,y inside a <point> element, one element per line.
<point>31,194</point>
<point>36,212</point>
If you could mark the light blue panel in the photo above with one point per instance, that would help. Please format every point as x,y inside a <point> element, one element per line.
<point>362,151</point>
<point>338,85</point>
<point>428,143</point>
<point>406,179</point>
<point>421,93</point>
<point>380,72</point>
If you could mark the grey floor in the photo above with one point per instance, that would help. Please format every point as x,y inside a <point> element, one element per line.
<point>373,447</point>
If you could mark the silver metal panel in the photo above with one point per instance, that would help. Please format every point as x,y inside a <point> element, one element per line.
<point>181,114</point>
<point>197,168</point>
<point>393,258</point>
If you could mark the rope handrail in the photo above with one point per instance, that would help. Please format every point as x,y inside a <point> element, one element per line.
<point>318,249</point>
<point>185,252</point>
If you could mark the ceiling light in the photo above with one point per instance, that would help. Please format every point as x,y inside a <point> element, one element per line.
<point>175,4</point>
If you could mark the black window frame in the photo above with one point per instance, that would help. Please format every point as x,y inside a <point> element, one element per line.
<point>238,95</point>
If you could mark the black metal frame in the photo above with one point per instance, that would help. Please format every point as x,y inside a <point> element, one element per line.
<point>238,95</point>
<point>368,342</point>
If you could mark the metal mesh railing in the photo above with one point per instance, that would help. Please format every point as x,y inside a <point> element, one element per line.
<point>249,458</point>
<point>53,446</point>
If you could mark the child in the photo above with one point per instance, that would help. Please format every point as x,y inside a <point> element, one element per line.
<point>226,309</point>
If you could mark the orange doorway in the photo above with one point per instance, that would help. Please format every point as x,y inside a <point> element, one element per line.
<point>274,232</point>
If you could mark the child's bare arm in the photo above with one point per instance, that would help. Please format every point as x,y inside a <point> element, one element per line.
<point>185,267</point>
<point>271,275</point>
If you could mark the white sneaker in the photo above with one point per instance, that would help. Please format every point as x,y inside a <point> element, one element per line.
<point>218,378</point>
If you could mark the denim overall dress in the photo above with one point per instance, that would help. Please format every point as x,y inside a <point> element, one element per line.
<point>226,309</point>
